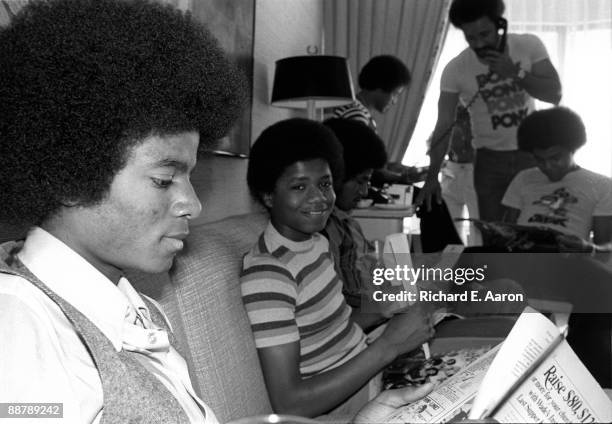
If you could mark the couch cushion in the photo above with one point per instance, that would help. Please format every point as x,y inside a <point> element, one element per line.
<point>202,300</point>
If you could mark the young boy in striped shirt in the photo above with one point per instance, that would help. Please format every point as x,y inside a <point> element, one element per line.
<point>315,359</point>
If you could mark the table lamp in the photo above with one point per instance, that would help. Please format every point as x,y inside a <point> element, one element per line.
<point>306,82</point>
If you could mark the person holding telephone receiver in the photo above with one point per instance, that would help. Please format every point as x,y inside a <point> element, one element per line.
<point>497,79</point>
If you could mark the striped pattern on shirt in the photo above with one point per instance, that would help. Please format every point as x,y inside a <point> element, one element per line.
<point>292,293</point>
<point>355,111</point>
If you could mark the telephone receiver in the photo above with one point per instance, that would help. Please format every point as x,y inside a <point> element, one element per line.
<point>502,30</point>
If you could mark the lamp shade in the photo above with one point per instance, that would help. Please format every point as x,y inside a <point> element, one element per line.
<point>324,79</point>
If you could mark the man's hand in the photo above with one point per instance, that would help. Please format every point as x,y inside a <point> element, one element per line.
<point>571,243</point>
<point>501,64</point>
<point>408,330</point>
<point>383,405</point>
<point>409,174</point>
<point>431,192</point>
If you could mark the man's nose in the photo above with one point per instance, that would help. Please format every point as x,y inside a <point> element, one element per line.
<point>187,205</point>
<point>479,43</point>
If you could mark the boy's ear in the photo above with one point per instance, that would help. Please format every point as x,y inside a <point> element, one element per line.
<point>268,199</point>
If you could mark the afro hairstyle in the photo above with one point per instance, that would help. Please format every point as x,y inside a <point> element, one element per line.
<point>285,143</point>
<point>384,72</point>
<point>84,81</point>
<point>546,128</point>
<point>464,11</point>
<point>362,148</point>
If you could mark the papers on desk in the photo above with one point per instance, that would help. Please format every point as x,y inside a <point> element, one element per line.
<point>397,254</point>
<point>401,194</point>
<point>558,388</point>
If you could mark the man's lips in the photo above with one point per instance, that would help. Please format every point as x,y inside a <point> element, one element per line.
<point>179,235</point>
<point>176,239</point>
<point>484,51</point>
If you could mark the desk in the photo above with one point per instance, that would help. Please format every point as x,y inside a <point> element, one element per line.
<point>378,223</point>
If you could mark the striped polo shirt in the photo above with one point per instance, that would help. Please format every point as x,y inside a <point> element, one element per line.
<point>355,111</point>
<point>292,293</point>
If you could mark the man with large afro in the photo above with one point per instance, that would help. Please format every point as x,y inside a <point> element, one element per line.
<point>83,81</point>
<point>104,105</point>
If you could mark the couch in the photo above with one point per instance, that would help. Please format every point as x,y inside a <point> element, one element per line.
<point>201,297</point>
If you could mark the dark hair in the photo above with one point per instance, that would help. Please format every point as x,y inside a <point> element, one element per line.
<point>384,72</point>
<point>465,11</point>
<point>285,143</point>
<point>362,147</point>
<point>557,126</point>
<point>84,81</point>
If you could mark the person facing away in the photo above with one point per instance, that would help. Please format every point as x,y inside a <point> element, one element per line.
<point>381,81</point>
<point>97,161</point>
<point>314,357</point>
<point>497,77</point>
<point>558,193</point>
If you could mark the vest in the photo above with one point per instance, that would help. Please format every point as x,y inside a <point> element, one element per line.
<point>131,394</point>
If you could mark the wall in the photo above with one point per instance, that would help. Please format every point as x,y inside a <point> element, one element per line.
<point>232,23</point>
<point>282,28</point>
<point>220,183</point>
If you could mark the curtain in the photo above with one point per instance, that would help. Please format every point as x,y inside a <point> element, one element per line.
<point>412,30</point>
<point>578,36</point>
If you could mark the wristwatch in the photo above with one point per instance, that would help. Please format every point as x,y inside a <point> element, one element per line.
<point>521,74</point>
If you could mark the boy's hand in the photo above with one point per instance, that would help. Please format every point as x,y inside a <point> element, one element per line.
<point>383,405</point>
<point>430,193</point>
<point>408,330</point>
<point>571,243</point>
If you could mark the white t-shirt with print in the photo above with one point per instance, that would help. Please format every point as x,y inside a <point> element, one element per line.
<point>568,205</point>
<point>503,103</point>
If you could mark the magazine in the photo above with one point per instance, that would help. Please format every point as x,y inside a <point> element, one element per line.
<point>415,369</point>
<point>510,237</point>
<point>533,376</point>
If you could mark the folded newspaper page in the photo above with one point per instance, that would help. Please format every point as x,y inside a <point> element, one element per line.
<point>560,389</point>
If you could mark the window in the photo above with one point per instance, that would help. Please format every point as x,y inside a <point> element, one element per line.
<point>416,154</point>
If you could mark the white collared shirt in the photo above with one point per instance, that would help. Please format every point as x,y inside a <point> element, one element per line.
<point>41,356</point>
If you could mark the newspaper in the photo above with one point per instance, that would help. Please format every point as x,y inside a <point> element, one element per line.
<point>452,399</point>
<point>559,389</point>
